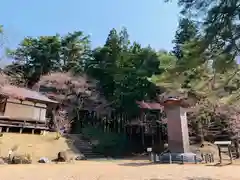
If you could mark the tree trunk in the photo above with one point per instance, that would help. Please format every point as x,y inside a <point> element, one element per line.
<point>56,124</point>
<point>236,145</point>
<point>200,131</point>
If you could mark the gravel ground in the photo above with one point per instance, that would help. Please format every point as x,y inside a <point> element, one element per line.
<point>117,170</point>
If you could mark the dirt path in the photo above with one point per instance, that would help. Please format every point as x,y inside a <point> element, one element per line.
<point>117,170</point>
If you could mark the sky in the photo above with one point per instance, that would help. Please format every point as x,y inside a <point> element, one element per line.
<point>147,21</point>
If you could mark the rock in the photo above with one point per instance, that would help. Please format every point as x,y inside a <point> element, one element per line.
<point>2,161</point>
<point>80,157</point>
<point>21,159</point>
<point>43,160</point>
<point>62,156</point>
<point>65,156</point>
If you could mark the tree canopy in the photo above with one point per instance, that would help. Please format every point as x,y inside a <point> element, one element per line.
<point>120,67</point>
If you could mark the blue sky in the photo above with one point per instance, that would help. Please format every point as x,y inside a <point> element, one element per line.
<point>148,21</point>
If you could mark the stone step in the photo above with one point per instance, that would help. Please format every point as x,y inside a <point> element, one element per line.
<point>83,151</point>
<point>90,153</point>
<point>84,146</point>
<point>93,155</point>
<point>81,145</point>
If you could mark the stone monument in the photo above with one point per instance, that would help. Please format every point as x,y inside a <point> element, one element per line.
<point>178,137</point>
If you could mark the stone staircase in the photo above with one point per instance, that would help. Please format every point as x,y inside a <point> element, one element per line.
<point>84,146</point>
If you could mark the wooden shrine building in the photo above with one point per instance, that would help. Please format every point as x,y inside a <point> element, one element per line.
<point>21,108</point>
<point>148,129</point>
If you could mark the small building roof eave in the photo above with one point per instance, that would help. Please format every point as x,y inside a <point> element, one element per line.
<point>43,101</point>
<point>15,92</point>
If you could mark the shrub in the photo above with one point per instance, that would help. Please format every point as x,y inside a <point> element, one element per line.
<point>22,159</point>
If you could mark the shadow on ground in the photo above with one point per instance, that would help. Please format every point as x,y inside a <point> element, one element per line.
<point>137,164</point>
<point>189,178</point>
<point>223,164</point>
<point>201,178</point>
<point>158,179</point>
<point>135,156</point>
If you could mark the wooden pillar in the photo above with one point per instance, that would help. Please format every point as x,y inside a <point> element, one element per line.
<point>104,124</point>
<point>119,128</point>
<point>114,124</point>
<point>153,136</point>
<point>107,124</point>
<point>7,129</point>
<point>21,129</point>
<point>43,132</point>
<point>230,154</point>
<point>236,146</point>
<point>160,134</point>
<point>130,134</point>
<point>219,154</point>
<point>160,128</point>
<point>55,120</point>
<point>142,133</point>
<point>33,131</point>
<point>123,121</point>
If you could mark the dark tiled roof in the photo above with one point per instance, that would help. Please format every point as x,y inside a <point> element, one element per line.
<point>151,106</point>
<point>23,93</point>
